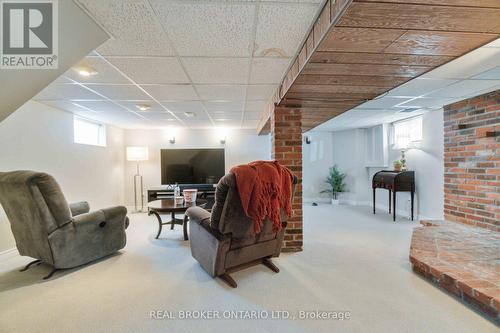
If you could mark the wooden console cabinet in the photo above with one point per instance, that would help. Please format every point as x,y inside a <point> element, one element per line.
<point>394,181</point>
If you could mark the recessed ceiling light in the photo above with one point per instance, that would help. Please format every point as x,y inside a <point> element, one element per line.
<point>86,71</point>
<point>143,107</point>
<point>189,114</point>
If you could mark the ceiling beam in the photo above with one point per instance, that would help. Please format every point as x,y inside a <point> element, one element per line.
<point>358,50</point>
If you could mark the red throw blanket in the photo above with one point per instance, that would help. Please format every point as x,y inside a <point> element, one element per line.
<point>265,187</point>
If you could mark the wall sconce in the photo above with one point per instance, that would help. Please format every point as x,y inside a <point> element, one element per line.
<point>221,133</point>
<point>172,139</point>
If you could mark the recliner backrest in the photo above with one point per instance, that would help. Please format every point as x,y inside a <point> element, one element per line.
<point>228,215</point>
<point>35,207</point>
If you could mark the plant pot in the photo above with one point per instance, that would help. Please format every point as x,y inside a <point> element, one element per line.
<point>335,201</point>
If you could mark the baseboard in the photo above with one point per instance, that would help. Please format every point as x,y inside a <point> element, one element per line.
<point>131,210</point>
<point>399,212</point>
<point>8,254</point>
<point>382,207</point>
<point>317,200</point>
<point>353,203</point>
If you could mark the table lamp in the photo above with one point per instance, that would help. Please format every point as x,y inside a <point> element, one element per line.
<point>137,154</point>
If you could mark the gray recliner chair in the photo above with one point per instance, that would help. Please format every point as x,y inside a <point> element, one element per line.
<point>46,228</point>
<point>224,241</point>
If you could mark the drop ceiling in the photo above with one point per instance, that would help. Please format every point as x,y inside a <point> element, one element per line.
<point>220,61</point>
<point>473,74</point>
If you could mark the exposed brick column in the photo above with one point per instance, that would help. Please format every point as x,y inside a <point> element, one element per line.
<point>471,161</point>
<point>286,136</point>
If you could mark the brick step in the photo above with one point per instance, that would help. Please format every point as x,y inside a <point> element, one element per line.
<point>461,259</point>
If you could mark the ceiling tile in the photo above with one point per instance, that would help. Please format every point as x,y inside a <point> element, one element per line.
<point>132,105</point>
<point>250,123</point>
<point>171,92</point>
<point>121,92</point>
<point>382,103</point>
<point>134,26</point>
<point>228,123</point>
<point>282,37</point>
<point>198,124</point>
<point>233,106</point>
<point>423,102</point>
<point>465,87</point>
<point>260,92</point>
<point>105,72</point>
<point>495,43</point>
<point>151,70</point>
<point>256,106</point>
<point>67,106</point>
<point>251,115</point>
<point>196,116</point>
<point>418,87</point>
<point>184,106</point>
<point>221,92</point>
<point>492,74</point>
<point>66,92</point>
<point>217,70</point>
<point>101,106</point>
<point>473,63</point>
<point>227,119</point>
<point>160,116</point>
<point>121,118</point>
<point>268,70</point>
<point>208,29</point>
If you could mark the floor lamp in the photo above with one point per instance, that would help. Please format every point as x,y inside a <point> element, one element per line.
<point>137,154</point>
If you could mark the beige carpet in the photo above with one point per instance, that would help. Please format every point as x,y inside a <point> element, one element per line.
<point>353,261</point>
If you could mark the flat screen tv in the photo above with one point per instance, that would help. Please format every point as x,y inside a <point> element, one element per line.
<point>192,166</point>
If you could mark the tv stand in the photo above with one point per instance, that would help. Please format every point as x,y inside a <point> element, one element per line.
<point>205,191</point>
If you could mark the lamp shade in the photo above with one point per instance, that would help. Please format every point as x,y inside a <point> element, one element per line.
<point>137,154</point>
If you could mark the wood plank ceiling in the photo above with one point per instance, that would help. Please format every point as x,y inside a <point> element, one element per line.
<point>359,49</point>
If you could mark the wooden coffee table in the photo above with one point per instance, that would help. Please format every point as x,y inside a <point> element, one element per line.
<point>163,206</point>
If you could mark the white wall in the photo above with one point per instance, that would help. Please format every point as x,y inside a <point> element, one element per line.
<point>343,148</point>
<point>349,156</point>
<point>348,152</point>
<point>316,156</point>
<point>242,146</point>
<point>38,137</point>
<point>428,164</point>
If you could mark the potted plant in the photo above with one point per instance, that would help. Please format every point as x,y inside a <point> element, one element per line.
<point>335,180</point>
<point>397,165</point>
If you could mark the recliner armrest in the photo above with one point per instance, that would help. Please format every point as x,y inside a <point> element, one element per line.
<point>96,217</point>
<point>112,216</point>
<point>198,214</point>
<point>78,208</point>
<point>89,236</point>
<point>208,245</point>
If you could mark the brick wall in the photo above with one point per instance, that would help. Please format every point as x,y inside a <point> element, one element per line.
<point>472,161</point>
<point>286,136</point>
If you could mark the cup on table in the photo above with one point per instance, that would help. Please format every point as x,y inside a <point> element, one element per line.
<point>190,195</point>
<point>179,200</point>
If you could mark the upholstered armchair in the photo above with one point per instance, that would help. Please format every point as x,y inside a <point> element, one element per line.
<point>50,230</point>
<point>224,241</point>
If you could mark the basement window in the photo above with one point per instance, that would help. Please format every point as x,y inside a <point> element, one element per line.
<point>407,133</point>
<point>88,132</point>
